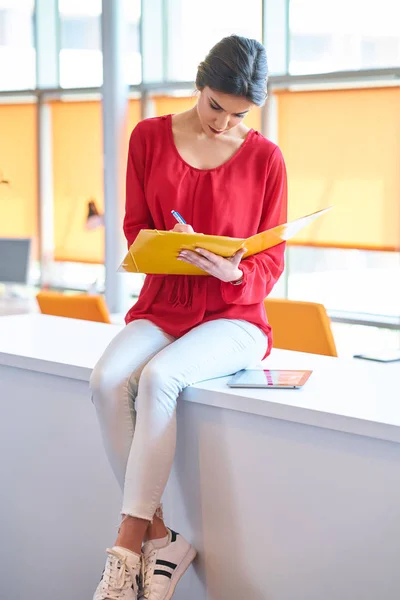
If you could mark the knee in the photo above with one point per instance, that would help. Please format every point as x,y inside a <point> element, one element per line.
<point>108,380</point>
<point>159,385</point>
<point>101,379</point>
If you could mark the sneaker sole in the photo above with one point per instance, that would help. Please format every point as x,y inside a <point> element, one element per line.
<point>180,571</point>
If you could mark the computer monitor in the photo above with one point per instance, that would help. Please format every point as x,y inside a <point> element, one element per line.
<point>14,260</point>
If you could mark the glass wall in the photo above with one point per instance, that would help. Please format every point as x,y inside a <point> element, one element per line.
<point>78,177</point>
<point>198,29</point>
<point>341,145</point>
<point>357,281</point>
<point>17,49</point>
<point>18,171</point>
<point>80,43</point>
<point>341,35</point>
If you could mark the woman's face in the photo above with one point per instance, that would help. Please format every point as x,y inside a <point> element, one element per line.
<point>219,112</point>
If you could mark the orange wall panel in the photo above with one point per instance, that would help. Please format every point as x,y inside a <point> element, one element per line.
<point>133,116</point>
<point>165,105</point>
<point>78,176</point>
<point>342,148</point>
<point>253,119</point>
<point>18,164</point>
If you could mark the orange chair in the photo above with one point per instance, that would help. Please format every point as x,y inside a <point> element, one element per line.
<point>76,306</point>
<point>301,326</point>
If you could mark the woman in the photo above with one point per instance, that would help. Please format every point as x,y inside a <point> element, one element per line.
<point>224,179</point>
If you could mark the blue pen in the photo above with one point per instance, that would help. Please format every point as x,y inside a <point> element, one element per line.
<point>178,217</point>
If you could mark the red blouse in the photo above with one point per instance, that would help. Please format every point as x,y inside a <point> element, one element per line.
<point>245,195</point>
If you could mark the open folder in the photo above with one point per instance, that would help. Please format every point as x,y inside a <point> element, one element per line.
<point>156,252</point>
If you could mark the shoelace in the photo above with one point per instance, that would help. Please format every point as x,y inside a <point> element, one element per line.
<point>146,573</point>
<point>116,576</point>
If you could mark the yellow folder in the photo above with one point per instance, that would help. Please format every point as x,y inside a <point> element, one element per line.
<point>156,252</point>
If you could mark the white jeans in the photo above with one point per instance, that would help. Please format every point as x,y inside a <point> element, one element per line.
<point>135,386</point>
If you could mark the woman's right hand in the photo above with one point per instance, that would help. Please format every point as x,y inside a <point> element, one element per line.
<point>180,227</point>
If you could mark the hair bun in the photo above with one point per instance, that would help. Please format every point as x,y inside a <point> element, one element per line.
<point>237,66</point>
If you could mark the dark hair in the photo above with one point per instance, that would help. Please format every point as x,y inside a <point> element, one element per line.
<point>237,66</point>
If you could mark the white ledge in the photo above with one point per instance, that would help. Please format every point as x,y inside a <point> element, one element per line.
<point>346,395</point>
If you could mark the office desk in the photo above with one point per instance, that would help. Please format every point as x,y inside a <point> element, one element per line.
<point>287,494</point>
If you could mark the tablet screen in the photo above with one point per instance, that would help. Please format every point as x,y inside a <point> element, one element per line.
<point>268,378</point>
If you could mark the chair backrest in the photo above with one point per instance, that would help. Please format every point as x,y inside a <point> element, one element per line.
<point>77,306</point>
<point>301,326</point>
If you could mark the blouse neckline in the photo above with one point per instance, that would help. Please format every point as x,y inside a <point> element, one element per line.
<point>247,139</point>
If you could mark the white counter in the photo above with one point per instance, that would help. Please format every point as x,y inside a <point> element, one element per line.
<point>287,494</point>
<point>343,394</point>
<point>53,345</point>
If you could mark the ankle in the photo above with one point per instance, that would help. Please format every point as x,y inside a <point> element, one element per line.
<point>156,530</point>
<point>131,534</point>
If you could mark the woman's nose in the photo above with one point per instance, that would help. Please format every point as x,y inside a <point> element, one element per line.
<point>221,123</point>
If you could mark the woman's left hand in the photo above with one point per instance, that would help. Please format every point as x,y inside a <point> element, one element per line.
<point>225,269</point>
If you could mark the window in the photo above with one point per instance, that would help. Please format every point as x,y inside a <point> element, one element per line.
<point>18,176</point>
<point>80,37</point>
<point>80,56</point>
<point>133,58</point>
<point>341,35</point>
<point>193,30</point>
<point>359,339</point>
<point>342,149</point>
<point>352,263</point>
<point>358,281</point>
<point>17,51</point>
<point>78,177</point>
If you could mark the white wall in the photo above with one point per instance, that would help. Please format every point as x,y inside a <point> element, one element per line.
<point>278,511</point>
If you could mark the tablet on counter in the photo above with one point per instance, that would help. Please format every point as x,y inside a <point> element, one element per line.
<point>269,378</point>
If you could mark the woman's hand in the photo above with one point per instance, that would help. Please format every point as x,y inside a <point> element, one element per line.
<point>183,228</point>
<point>225,269</point>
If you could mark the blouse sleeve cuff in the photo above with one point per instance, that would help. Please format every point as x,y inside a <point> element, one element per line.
<point>233,293</point>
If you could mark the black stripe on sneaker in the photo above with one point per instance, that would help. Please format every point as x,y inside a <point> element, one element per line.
<point>174,535</point>
<point>165,563</point>
<point>160,572</point>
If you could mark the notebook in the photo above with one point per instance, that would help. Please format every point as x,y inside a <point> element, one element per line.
<point>156,252</point>
<point>268,378</point>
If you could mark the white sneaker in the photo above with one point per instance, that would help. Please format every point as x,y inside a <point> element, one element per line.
<point>162,568</point>
<point>121,576</point>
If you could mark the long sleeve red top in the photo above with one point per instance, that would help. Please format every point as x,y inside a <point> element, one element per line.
<point>245,195</point>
